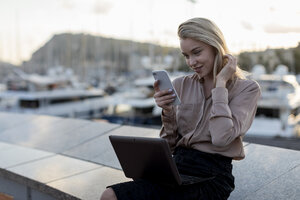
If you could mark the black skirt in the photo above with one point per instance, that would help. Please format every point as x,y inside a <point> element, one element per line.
<point>189,162</point>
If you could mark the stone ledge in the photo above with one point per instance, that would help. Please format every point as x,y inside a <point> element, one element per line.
<point>266,172</point>
<point>41,187</point>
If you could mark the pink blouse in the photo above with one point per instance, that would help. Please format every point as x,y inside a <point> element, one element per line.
<point>213,125</point>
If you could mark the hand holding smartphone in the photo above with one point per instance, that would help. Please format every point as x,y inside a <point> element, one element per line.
<point>165,83</point>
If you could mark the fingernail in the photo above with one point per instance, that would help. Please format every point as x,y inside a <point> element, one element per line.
<point>170,90</point>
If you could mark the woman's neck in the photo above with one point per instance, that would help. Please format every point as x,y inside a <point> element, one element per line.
<point>209,79</point>
<point>208,85</point>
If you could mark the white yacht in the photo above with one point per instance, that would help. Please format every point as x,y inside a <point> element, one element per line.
<point>56,94</point>
<point>135,105</point>
<point>278,112</point>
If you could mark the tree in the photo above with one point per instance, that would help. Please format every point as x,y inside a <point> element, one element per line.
<point>244,61</point>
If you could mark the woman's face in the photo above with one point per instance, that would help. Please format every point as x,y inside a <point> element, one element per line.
<point>199,56</point>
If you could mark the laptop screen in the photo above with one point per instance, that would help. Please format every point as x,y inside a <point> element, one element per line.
<point>145,158</point>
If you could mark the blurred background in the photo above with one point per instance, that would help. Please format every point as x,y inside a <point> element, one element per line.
<point>93,59</point>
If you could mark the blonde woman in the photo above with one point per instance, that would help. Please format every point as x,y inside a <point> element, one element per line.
<point>205,132</point>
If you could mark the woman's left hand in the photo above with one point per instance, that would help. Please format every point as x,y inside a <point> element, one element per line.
<point>228,70</point>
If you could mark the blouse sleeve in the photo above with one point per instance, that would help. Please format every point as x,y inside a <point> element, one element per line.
<point>230,120</point>
<point>169,125</point>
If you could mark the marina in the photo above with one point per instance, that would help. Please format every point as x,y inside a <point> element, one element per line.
<point>58,94</point>
<point>74,73</point>
<point>132,103</point>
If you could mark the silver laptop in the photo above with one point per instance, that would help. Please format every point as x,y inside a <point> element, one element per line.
<point>149,159</point>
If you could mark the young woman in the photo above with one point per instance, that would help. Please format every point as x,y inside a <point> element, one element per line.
<point>205,132</point>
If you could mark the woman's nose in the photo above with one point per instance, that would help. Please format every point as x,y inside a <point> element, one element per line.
<point>192,61</point>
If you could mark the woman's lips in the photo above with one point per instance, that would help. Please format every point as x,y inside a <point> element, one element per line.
<point>197,69</point>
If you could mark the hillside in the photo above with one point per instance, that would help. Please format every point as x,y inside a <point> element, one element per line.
<point>81,52</point>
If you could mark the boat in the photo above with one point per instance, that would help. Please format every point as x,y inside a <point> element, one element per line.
<point>135,105</point>
<point>278,111</point>
<point>57,94</point>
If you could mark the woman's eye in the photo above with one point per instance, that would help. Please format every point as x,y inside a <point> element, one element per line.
<point>197,52</point>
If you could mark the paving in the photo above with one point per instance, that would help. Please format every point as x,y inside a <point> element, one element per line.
<point>45,157</point>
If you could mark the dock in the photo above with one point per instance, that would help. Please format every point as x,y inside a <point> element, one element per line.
<point>49,158</point>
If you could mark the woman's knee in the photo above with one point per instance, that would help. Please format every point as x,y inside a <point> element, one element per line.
<point>108,194</point>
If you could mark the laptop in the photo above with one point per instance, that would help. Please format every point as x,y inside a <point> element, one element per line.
<point>149,159</point>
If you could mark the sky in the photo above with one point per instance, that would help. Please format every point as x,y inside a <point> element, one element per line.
<point>248,25</point>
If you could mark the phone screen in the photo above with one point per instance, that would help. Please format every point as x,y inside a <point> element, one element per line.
<point>165,83</point>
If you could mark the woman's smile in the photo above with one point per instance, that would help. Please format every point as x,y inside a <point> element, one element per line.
<point>197,69</point>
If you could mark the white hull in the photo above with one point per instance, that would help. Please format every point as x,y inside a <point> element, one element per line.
<point>82,107</point>
<point>272,127</point>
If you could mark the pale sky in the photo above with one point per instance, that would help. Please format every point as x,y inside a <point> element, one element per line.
<point>26,25</point>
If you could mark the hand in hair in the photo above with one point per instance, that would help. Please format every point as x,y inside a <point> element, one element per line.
<point>227,71</point>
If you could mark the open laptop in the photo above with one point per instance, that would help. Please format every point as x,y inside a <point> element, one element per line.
<point>150,159</point>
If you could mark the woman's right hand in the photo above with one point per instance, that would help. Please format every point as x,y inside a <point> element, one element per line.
<point>163,98</point>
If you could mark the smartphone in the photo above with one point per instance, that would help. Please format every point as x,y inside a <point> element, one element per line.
<point>165,83</point>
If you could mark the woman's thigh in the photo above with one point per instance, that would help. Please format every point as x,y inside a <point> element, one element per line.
<point>145,190</point>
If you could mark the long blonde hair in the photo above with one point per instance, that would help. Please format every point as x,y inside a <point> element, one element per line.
<point>206,31</point>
